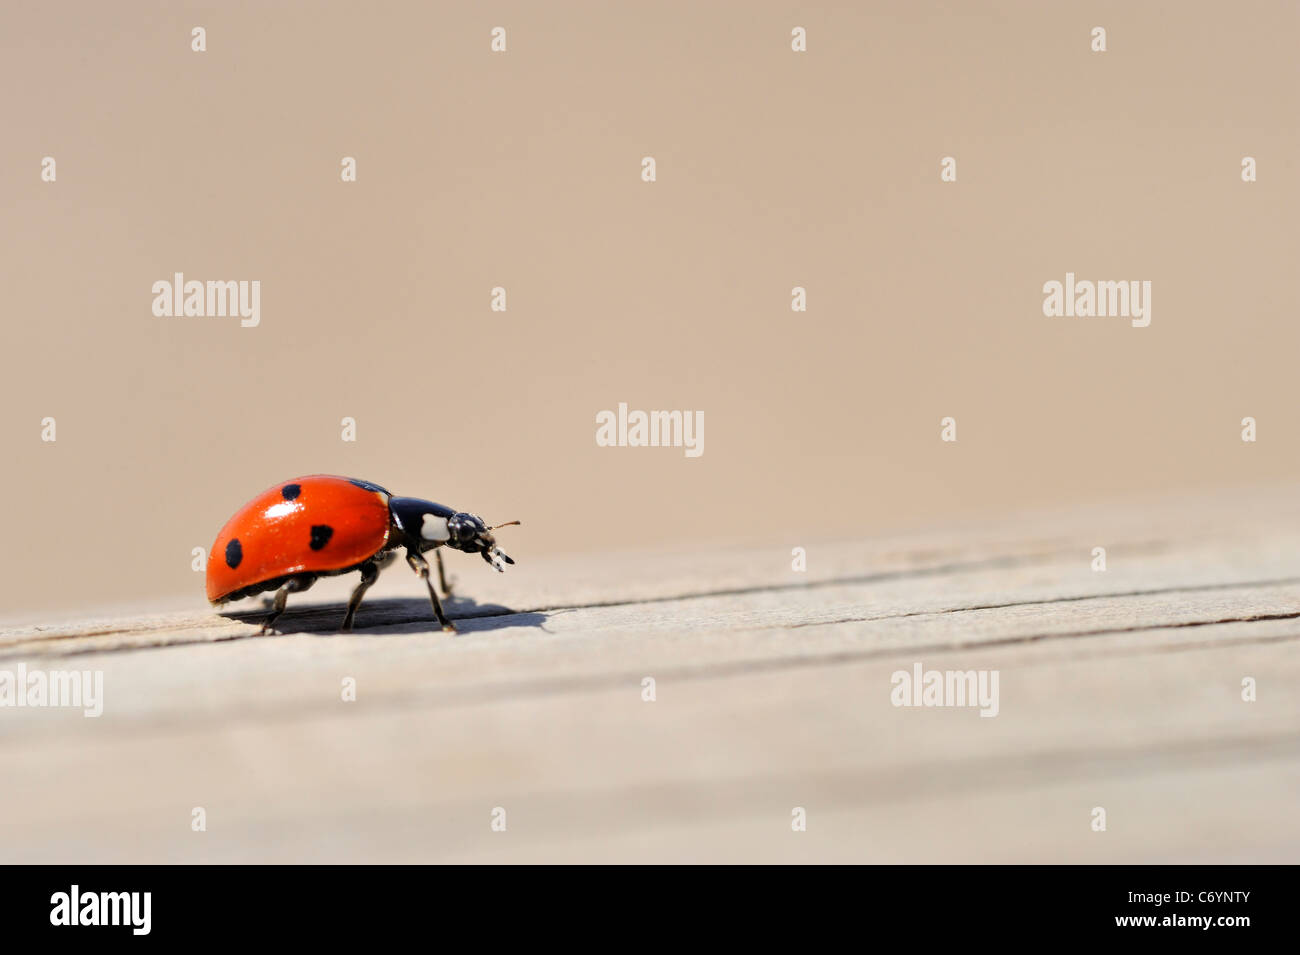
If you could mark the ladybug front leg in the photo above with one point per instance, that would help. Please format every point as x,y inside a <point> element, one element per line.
<point>421,567</point>
<point>291,586</point>
<point>442,575</point>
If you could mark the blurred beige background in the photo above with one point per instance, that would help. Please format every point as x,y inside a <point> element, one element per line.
<point>522,170</point>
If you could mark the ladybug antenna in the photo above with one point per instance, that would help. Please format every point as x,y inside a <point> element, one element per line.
<point>506,524</point>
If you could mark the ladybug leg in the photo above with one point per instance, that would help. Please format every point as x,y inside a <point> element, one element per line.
<point>369,574</point>
<point>442,575</point>
<point>421,567</point>
<point>291,586</point>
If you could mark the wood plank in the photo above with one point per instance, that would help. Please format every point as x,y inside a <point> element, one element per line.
<point>1119,689</point>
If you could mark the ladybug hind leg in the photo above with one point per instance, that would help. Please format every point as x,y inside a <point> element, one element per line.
<point>293,585</point>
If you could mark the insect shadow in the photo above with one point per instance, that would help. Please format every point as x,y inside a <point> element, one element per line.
<point>389,616</point>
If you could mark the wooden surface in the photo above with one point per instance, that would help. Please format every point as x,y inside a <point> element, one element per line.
<point>1119,689</point>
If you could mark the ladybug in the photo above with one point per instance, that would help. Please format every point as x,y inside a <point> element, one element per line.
<point>322,525</point>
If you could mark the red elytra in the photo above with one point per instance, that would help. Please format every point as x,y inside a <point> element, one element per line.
<point>312,524</point>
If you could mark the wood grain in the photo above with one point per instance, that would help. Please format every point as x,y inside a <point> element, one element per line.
<point>1119,689</point>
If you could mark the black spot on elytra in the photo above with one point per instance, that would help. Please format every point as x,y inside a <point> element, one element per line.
<point>367,486</point>
<point>320,535</point>
<point>234,553</point>
<point>290,491</point>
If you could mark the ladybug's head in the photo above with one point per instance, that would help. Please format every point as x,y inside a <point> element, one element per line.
<point>471,534</point>
<point>424,524</point>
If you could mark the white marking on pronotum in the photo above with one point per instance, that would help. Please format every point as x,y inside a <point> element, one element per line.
<point>434,528</point>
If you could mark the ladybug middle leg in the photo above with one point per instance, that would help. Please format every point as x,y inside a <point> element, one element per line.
<point>421,567</point>
<point>369,574</point>
<point>293,585</point>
